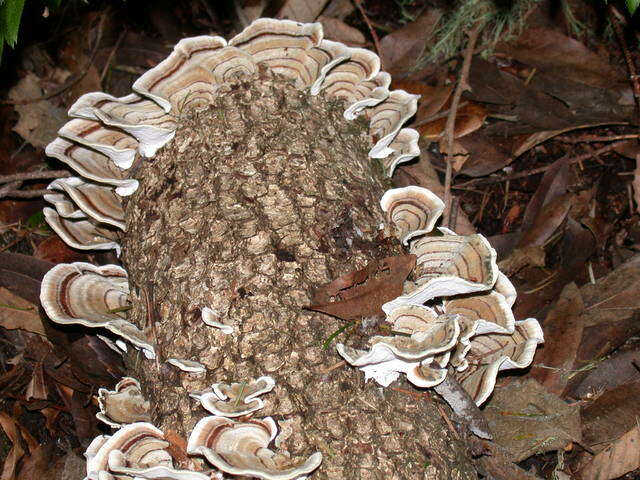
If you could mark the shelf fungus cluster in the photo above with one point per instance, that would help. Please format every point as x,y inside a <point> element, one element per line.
<point>454,316</point>
<point>235,446</point>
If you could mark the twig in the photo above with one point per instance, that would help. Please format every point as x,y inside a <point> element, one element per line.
<point>436,116</point>
<point>633,74</point>
<point>18,239</point>
<point>376,40</point>
<point>72,82</point>
<point>447,420</point>
<point>39,175</point>
<point>536,171</point>
<point>451,119</point>
<point>24,193</point>
<point>597,138</point>
<point>112,53</point>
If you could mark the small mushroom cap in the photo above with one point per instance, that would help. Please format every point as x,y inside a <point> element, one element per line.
<point>210,318</point>
<point>489,354</point>
<point>365,94</point>
<point>429,372</point>
<point>189,366</point>
<point>413,210</point>
<point>81,234</point>
<point>91,164</point>
<point>402,148</point>
<point>98,201</point>
<point>240,448</point>
<point>119,146</point>
<point>387,118</point>
<point>430,335</point>
<point>141,118</point>
<point>142,444</point>
<point>125,404</point>
<point>236,399</point>
<point>118,463</point>
<point>449,265</point>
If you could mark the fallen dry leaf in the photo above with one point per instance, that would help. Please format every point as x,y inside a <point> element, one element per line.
<point>553,52</point>
<point>401,49</point>
<point>611,373</point>
<point>610,415</point>
<point>304,11</point>
<point>336,29</point>
<point>621,457</point>
<point>469,118</point>
<point>554,183</point>
<point>15,312</point>
<point>563,334</point>
<point>525,419</point>
<point>547,221</point>
<point>363,292</point>
<point>39,121</point>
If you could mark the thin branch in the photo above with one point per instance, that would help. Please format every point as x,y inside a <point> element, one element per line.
<point>451,119</point>
<point>536,171</point>
<point>112,53</point>
<point>616,17</point>
<point>24,193</point>
<point>374,35</point>
<point>40,175</point>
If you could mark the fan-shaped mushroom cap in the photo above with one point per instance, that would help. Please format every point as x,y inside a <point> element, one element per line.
<point>489,354</point>
<point>413,210</point>
<point>241,448</point>
<point>62,203</point>
<point>505,288</point>
<point>141,443</point>
<point>321,59</point>
<point>430,372</point>
<point>119,464</point>
<point>366,93</point>
<point>403,148</point>
<point>449,265</point>
<point>429,335</point>
<point>236,399</point>
<point>81,293</point>
<point>188,366</point>
<point>98,201</point>
<point>387,118</point>
<point>209,317</point>
<point>92,164</point>
<point>125,404</point>
<point>348,79</point>
<point>480,314</point>
<point>119,146</point>
<point>180,79</point>
<point>81,234</point>
<point>139,117</point>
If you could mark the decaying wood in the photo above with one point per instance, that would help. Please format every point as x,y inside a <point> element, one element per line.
<point>259,199</point>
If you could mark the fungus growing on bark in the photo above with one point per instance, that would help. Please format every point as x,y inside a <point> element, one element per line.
<point>412,210</point>
<point>189,366</point>
<point>241,448</point>
<point>123,405</point>
<point>141,444</point>
<point>243,209</point>
<point>96,297</point>
<point>236,399</point>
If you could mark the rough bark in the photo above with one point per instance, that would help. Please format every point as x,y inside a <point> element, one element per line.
<point>260,198</point>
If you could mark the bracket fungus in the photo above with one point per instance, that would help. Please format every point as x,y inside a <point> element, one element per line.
<point>258,144</point>
<point>123,405</point>
<point>236,399</point>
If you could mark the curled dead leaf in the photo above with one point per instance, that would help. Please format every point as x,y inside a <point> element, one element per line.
<point>363,292</point>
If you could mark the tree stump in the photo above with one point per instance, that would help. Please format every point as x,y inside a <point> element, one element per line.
<point>260,198</point>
